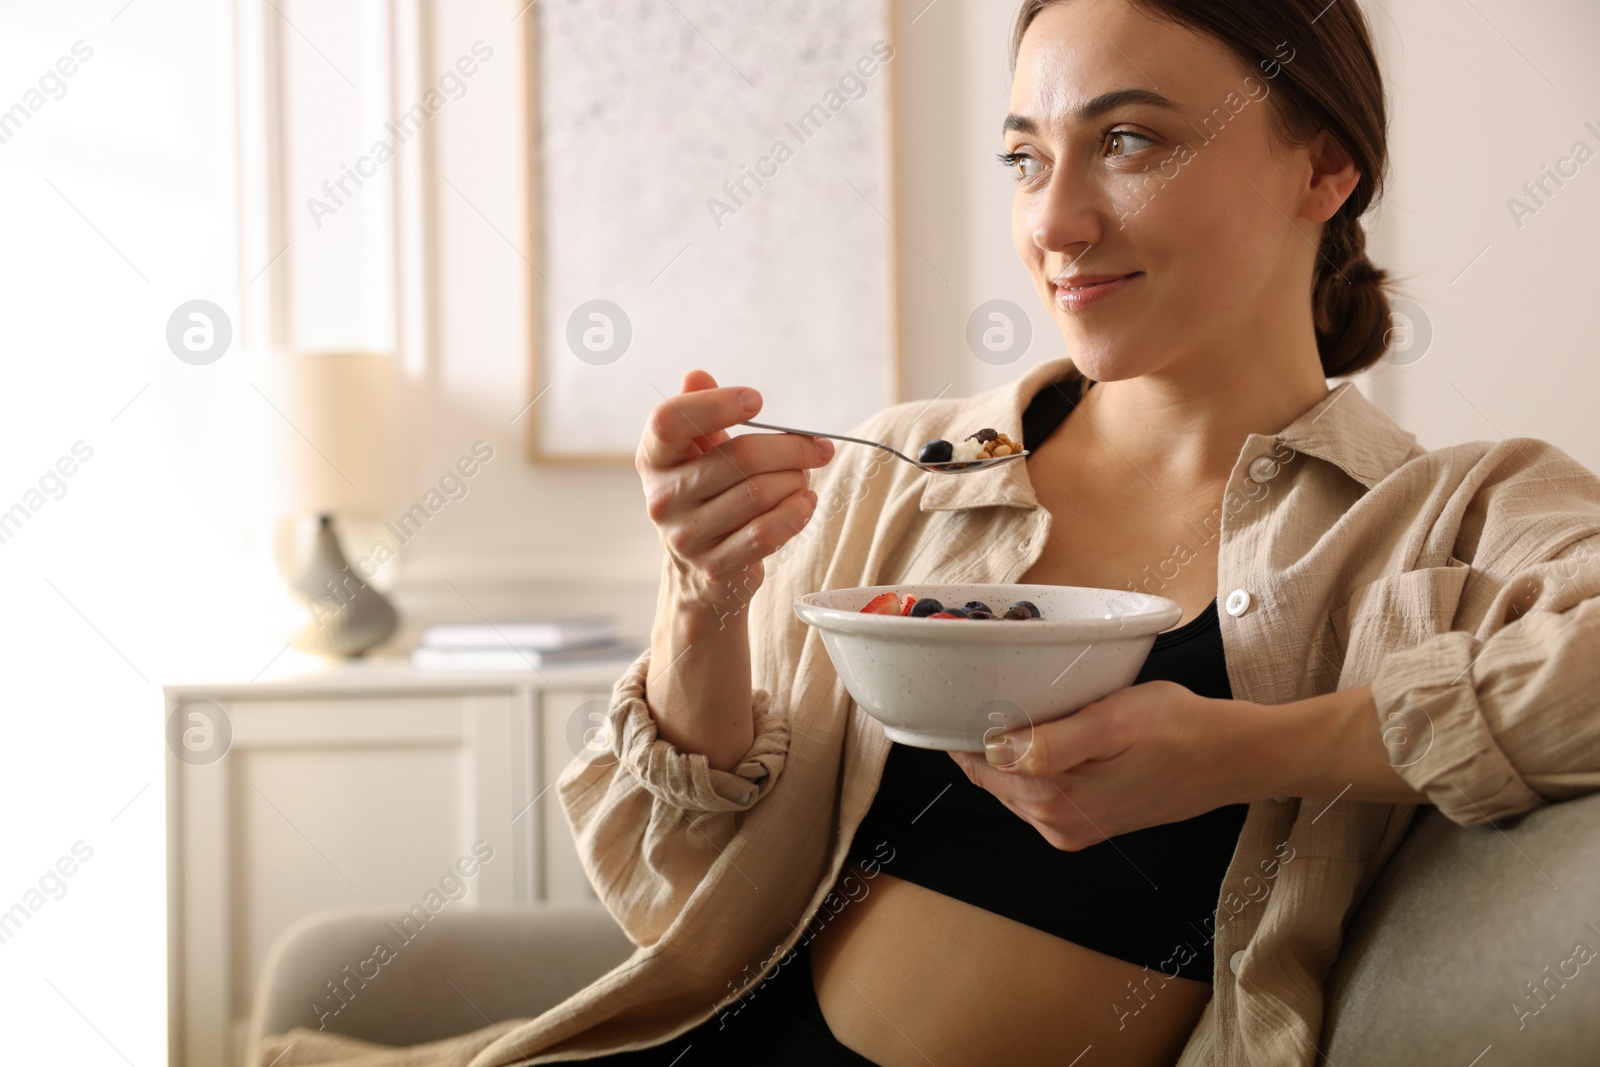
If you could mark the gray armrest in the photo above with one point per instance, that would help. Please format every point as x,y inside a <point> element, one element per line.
<point>1437,961</point>
<point>503,963</point>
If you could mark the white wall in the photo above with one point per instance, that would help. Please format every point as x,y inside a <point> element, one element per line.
<point>1482,96</point>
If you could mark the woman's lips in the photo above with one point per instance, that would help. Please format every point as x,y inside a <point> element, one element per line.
<point>1079,293</point>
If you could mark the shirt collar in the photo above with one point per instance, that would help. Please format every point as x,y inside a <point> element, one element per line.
<point>1344,429</point>
<point>1347,430</point>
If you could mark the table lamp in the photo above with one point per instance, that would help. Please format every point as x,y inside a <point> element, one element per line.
<point>334,454</point>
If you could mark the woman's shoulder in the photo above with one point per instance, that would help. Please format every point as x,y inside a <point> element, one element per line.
<point>1527,469</point>
<point>1518,498</point>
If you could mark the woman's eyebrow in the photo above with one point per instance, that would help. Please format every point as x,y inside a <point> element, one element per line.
<point>1095,108</point>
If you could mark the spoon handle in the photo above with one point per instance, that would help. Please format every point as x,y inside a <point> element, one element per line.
<point>833,436</point>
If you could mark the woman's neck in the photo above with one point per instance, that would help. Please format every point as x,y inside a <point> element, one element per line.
<point>1184,427</point>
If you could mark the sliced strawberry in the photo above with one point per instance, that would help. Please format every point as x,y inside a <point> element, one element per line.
<point>907,604</point>
<point>945,615</point>
<point>883,604</point>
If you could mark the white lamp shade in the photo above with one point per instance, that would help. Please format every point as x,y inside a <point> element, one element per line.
<point>331,438</point>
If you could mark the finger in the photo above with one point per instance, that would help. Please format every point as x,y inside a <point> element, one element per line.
<point>990,778</point>
<point>733,508</point>
<point>763,535</point>
<point>697,381</point>
<point>1053,747</point>
<point>674,424</point>
<point>674,500</point>
<point>743,457</point>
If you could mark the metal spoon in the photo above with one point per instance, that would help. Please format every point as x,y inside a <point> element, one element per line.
<point>953,467</point>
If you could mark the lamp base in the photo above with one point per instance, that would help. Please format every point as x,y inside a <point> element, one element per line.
<point>348,616</point>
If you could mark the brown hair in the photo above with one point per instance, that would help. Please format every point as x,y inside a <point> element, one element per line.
<point>1332,84</point>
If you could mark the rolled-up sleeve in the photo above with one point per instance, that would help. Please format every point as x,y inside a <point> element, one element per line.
<point>1491,728</point>
<point>650,820</point>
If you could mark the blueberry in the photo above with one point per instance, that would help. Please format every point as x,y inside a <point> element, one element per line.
<point>978,605</point>
<point>959,613</point>
<point>926,606</point>
<point>1028,606</point>
<point>938,451</point>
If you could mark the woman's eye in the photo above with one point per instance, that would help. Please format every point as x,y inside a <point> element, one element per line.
<point>1021,163</point>
<point>1126,142</point>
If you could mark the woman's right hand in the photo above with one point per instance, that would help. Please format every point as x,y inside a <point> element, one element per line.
<point>722,504</point>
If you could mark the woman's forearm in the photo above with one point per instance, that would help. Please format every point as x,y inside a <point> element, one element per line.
<point>1333,745</point>
<point>698,686</point>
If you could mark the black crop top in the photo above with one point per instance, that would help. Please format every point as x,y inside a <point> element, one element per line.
<point>1148,897</point>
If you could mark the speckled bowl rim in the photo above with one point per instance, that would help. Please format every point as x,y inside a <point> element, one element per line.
<point>1161,614</point>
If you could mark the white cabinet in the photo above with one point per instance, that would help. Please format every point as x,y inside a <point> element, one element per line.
<point>358,785</point>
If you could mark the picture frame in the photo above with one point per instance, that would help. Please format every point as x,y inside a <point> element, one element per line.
<point>708,187</point>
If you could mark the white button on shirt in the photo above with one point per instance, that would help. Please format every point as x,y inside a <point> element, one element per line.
<point>1263,469</point>
<point>1234,961</point>
<point>1238,602</point>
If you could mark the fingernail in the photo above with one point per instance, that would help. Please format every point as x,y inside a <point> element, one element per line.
<point>750,400</point>
<point>1000,751</point>
<point>811,498</point>
<point>824,449</point>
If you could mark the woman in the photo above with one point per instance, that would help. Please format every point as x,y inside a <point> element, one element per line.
<point>1162,877</point>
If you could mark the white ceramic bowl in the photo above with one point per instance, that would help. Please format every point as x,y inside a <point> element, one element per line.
<point>944,683</point>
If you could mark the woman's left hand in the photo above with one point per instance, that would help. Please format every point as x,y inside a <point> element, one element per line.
<point>1145,755</point>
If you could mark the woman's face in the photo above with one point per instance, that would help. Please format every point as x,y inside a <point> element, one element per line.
<point>1154,202</point>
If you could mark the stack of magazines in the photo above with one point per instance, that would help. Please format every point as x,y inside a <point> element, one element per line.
<point>521,646</point>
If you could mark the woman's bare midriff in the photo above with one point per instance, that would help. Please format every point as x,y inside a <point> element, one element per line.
<point>907,976</point>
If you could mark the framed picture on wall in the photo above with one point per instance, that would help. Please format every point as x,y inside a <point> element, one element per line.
<point>711,186</point>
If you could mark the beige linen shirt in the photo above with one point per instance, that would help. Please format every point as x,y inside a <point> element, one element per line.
<point>1460,584</point>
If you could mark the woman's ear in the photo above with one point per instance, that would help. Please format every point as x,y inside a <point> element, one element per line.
<point>1333,178</point>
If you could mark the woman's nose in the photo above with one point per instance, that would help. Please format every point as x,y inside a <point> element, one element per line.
<point>1069,216</point>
